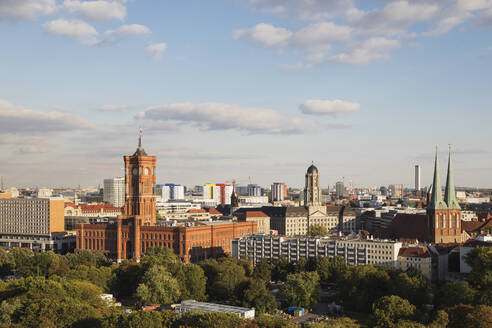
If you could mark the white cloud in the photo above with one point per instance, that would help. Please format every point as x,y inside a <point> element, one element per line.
<point>73,29</point>
<point>21,120</point>
<point>217,116</point>
<point>396,17</point>
<point>304,9</point>
<point>266,34</point>
<point>320,34</point>
<point>133,29</point>
<point>328,107</point>
<point>26,9</point>
<point>98,10</point>
<point>114,108</point>
<point>484,19</point>
<point>156,49</point>
<point>368,51</point>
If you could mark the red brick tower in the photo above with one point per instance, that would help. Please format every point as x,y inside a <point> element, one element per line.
<point>140,185</point>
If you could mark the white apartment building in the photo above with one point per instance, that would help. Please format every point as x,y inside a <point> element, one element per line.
<point>354,250</point>
<point>278,191</point>
<point>171,192</point>
<point>114,191</point>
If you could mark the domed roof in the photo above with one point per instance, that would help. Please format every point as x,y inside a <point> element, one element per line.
<point>312,169</point>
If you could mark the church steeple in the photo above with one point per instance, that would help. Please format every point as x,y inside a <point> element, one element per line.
<point>436,202</point>
<point>450,193</point>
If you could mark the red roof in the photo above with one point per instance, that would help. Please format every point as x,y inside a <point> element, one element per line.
<point>70,204</point>
<point>256,214</point>
<point>409,226</point>
<point>414,252</point>
<point>195,210</point>
<point>214,211</point>
<point>475,226</point>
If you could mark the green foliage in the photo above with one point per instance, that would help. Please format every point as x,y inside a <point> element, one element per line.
<point>7,263</point>
<point>454,293</point>
<point>143,319</point>
<point>158,287</point>
<point>194,283</point>
<point>271,321</point>
<point>263,271</point>
<point>224,277</point>
<point>440,320</point>
<point>281,268</point>
<point>101,276</point>
<point>126,278</point>
<point>162,256</point>
<point>335,323</point>
<point>388,311</point>
<point>23,259</point>
<point>206,320</point>
<point>464,316</point>
<point>86,257</point>
<point>480,260</point>
<point>331,269</point>
<point>258,296</point>
<point>317,230</point>
<point>302,289</point>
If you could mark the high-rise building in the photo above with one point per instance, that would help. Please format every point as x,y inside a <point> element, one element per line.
<point>255,190</point>
<point>279,191</point>
<point>417,178</point>
<point>312,191</point>
<point>219,193</point>
<point>172,191</point>
<point>339,190</point>
<point>114,191</point>
<point>30,222</point>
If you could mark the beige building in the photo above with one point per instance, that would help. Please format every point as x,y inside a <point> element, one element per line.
<point>261,218</point>
<point>312,191</point>
<point>25,222</point>
<point>356,251</point>
<point>416,257</point>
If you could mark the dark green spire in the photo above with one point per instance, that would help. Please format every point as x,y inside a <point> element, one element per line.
<point>450,194</point>
<point>436,202</point>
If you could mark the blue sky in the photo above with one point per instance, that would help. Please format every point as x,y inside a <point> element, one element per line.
<point>230,89</point>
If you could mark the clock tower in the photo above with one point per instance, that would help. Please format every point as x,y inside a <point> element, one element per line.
<point>140,186</point>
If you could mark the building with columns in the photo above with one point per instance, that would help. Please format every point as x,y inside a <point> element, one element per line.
<point>137,229</point>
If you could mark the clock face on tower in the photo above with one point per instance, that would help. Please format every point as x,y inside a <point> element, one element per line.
<point>135,171</point>
<point>146,171</point>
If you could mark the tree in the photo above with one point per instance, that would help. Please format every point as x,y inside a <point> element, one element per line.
<point>258,296</point>
<point>49,263</point>
<point>316,230</point>
<point>23,259</point>
<point>126,278</point>
<point>272,321</point>
<point>99,276</point>
<point>480,317</point>
<point>302,289</point>
<point>143,319</point>
<point>453,293</point>
<point>158,287</point>
<point>330,269</point>
<point>281,268</point>
<point>86,257</point>
<point>480,277</point>
<point>263,271</point>
<point>7,263</point>
<point>163,256</point>
<point>389,310</point>
<point>440,320</point>
<point>194,283</point>
<point>198,319</point>
<point>335,323</point>
<point>223,278</point>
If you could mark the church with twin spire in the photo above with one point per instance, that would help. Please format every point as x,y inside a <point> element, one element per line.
<point>442,221</point>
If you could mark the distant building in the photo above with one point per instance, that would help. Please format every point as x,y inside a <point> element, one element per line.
<point>339,190</point>
<point>279,191</point>
<point>255,190</point>
<point>218,193</point>
<point>44,193</point>
<point>171,192</point>
<point>417,178</point>
<point>356,251</point>
<point>312,190</point>
<point>193,305</point>
<point>417,257</point>
<point>262,220</point>
<point>30,222</point>
<point>114,191</point>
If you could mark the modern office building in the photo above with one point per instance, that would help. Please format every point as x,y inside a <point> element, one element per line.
<point>114,191</point>
<point>172,192</point>
<point>279,191</point>
<point>339,190</point>
<point>30,222</point>
<point>219,193</point>
<point>255,190</point>
<point>356,251</point>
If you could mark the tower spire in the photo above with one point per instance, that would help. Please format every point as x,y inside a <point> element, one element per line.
<point>140,133</point>
<point>140,151</point>
<point>450,193</point>
<point>436,202</point>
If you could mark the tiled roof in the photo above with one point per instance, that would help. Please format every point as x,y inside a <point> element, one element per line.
<point>414,252</point>
<point>214,211</point>
<point>475,226</point>
<point>256,214</point>
<point>195,210</point>
<point>411,226</point>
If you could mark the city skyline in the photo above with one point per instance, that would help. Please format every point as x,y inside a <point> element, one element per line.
<point>237,89</point>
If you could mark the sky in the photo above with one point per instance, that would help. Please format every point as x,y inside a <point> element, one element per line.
<point>251,90</point>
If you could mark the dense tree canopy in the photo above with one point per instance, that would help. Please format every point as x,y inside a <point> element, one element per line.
<point>302,289</point>
<point>317,230</point>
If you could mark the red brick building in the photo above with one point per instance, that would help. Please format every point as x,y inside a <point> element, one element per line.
<point>136,229</point>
